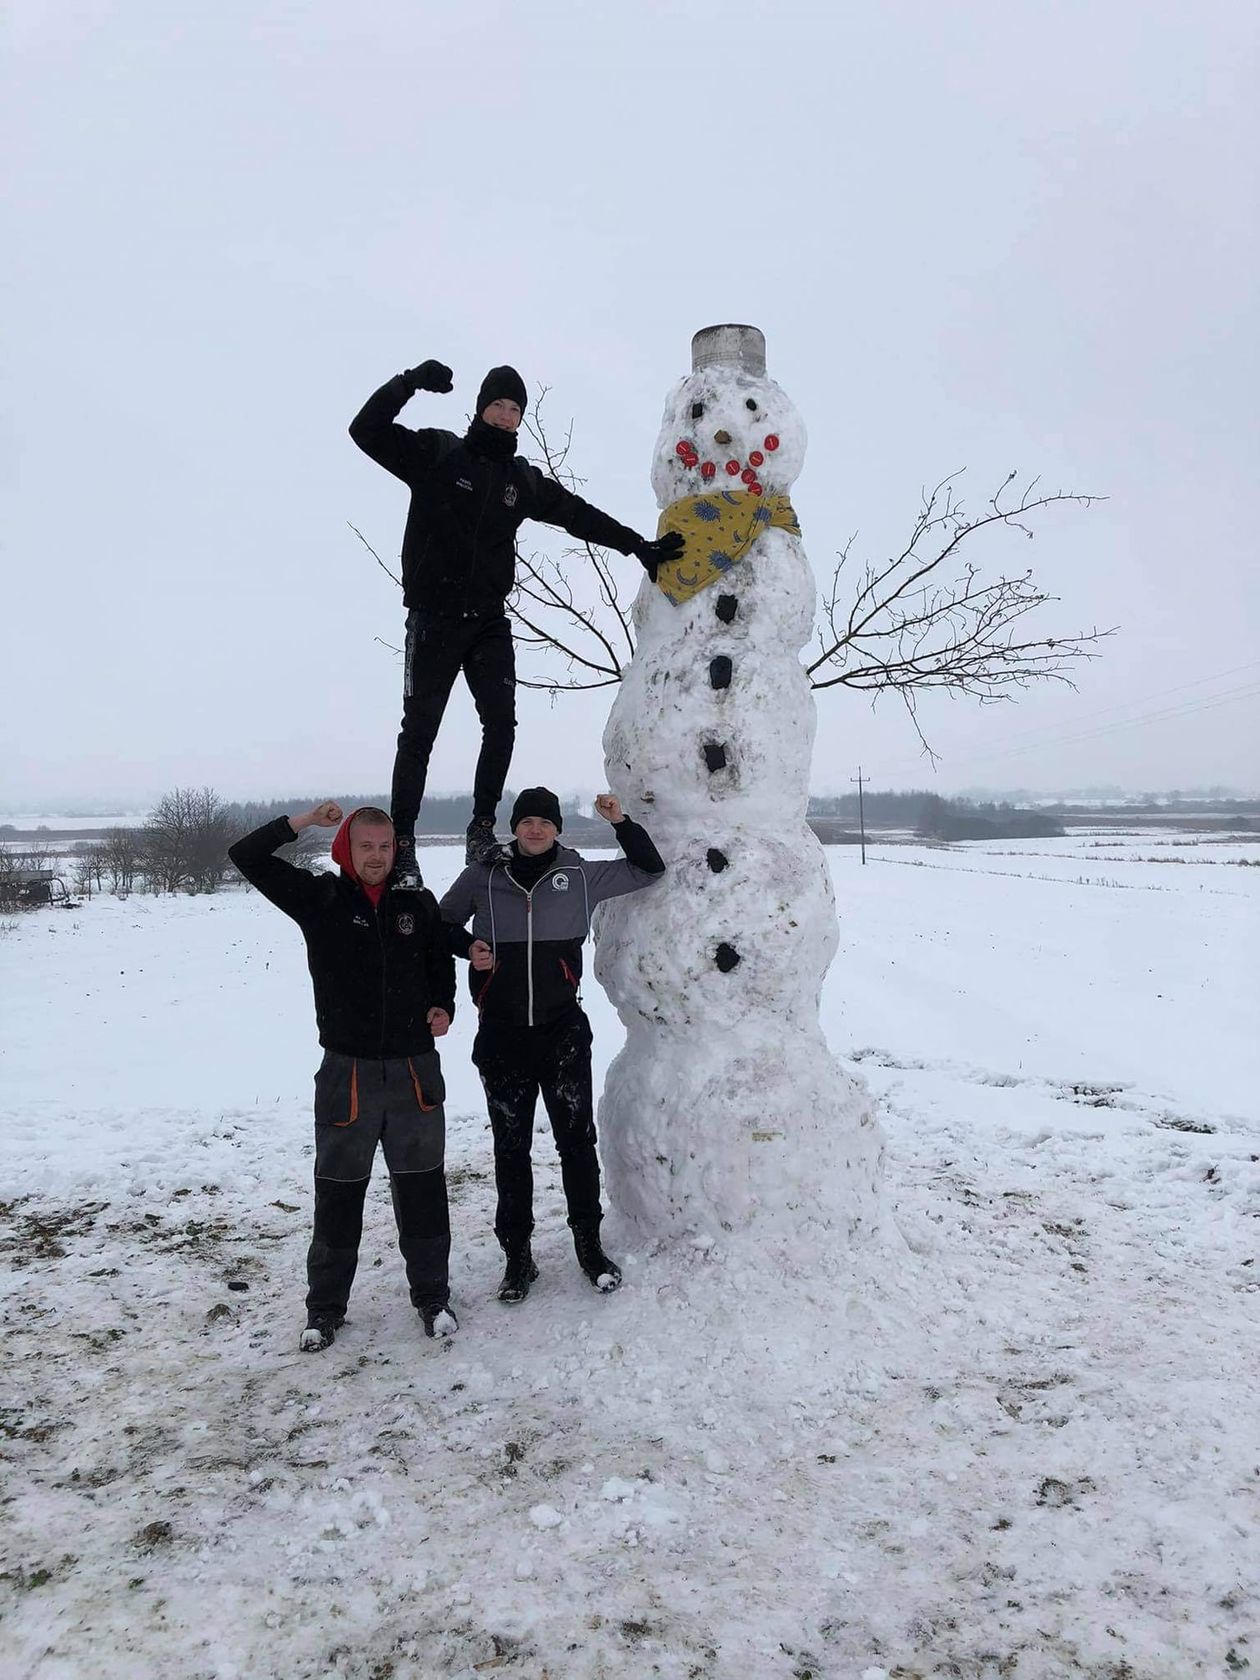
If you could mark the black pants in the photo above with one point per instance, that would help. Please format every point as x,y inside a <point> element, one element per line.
<point>360,1102</point>
<point>515,1064</point>
<point>437,650</point>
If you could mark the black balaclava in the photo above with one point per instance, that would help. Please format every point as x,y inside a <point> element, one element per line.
<point>492,441</point>
<point>501,382</point>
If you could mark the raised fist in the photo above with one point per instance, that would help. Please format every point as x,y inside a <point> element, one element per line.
<point>608,806</point>
<point>431,376</point>
<point>327,814</point>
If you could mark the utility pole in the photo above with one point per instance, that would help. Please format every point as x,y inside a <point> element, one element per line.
<point>861,811</point>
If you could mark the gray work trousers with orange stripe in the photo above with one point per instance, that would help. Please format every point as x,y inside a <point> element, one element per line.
<point>397,1102</point>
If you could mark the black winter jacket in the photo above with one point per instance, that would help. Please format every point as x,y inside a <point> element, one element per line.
<point>535,921</point>
<point>459,547</point>
<point>376,971</point>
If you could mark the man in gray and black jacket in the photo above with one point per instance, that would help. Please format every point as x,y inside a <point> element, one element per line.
<point>530,910</point>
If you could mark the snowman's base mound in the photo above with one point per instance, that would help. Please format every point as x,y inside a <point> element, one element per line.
<point>772,1137</point>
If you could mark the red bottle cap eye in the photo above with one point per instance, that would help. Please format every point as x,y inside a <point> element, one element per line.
<point>772,442</point>
<point>707,469</point>
<point>756,458</point>
<point>732,467</point>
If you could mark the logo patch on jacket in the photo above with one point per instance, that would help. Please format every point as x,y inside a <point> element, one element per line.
<point>559,883</point>
<point>361,921</point>
<point>463,483</point>
<point>509,496</point>
<point>406,922</point>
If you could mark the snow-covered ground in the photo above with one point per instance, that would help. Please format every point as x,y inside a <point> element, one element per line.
<point>1021,1442</point>
<point>32,821</point>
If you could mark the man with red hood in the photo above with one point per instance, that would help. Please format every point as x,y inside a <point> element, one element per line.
<point>469,497</point>
<point>384,982</point>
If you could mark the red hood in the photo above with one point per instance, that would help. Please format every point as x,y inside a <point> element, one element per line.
<point>341,857</point>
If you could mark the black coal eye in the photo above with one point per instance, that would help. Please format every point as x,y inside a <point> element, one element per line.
<point>697,409</point>
<point>751,402</point>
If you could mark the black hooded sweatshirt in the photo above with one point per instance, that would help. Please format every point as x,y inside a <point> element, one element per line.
<point>377,969</point>
<point>469,497</point>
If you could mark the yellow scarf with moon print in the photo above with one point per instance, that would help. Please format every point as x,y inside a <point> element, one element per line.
<point>719,528</point>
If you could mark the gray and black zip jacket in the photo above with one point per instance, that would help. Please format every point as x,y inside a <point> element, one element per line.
<point>535,920</point>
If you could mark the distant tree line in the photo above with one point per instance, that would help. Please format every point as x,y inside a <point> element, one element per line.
<point>952,819</point>
<point>182,844</point>
<point>888,810</point>
<point>1159,804</point>
<point>933,818</point>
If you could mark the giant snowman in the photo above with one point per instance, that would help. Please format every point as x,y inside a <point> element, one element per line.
<point>725,1111</point>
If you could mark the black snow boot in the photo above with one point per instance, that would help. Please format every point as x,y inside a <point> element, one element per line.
<point>406,870</point>
<point>518,1274</point>
<point>604,1273</point>
<point>320,1333</point>
<point>480,844</point>
<point>438,1319</point>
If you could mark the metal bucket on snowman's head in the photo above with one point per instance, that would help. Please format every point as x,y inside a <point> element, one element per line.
<point>730,345</point>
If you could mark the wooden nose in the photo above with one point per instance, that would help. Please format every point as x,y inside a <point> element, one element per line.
<point>722,437</point>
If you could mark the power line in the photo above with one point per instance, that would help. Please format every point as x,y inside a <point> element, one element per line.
<point>1160,693</point>
<point>1168,714</point>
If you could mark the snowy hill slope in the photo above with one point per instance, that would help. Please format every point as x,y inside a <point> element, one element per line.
<point>1020,1444</point>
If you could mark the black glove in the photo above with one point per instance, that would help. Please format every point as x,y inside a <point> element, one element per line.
<point>653,554</point>
<point>430,376</point>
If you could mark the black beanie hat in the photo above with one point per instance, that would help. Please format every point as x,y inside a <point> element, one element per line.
<point>501,382</point>
<point>537,802</point>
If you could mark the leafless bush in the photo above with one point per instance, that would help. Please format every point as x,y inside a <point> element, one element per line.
<point>571,607</point>
<point>89,868</point>
<point>184,842</point>
<point>120,854</point>
<point>927,618</point>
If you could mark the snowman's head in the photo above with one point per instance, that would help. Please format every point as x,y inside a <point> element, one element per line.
<point>726,428</point>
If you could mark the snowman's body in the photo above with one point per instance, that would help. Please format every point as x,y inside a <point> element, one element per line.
<point>725,1106</point>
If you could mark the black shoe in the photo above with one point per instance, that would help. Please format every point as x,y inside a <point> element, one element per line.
<point>438,1319</point>
<point>321,1332</point>
<point>480,844</point>
<point>518,1274</point>
<point>604,1273</point>
<point>406,870</point>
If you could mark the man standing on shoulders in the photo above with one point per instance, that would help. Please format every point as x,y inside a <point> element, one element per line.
<point>384,984</point>
<point>531,911</point>
<point>469,497</point>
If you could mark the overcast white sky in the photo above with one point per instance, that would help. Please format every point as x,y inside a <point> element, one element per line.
<point>975,234</point>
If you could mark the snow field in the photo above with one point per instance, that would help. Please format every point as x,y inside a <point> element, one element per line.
<point>1016,1439</point>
